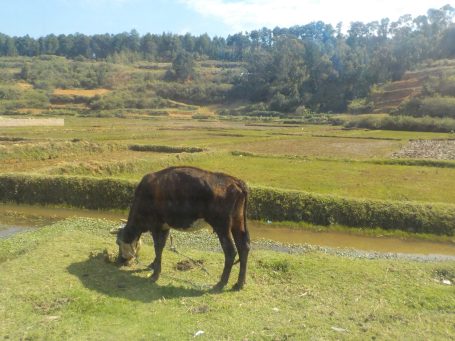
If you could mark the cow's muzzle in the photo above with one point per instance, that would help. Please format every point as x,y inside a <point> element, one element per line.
<point>127,251</point>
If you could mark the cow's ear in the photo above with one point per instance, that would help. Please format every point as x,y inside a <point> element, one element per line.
<point>115,230</point>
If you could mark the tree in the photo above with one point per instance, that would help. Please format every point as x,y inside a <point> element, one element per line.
<point>7,46</point>
<point>101,45</point>
<point>169,46</point>
<point>149,46</point>
<point>447,44</point>
<point>183,66</point>
<point>239,44</point>
<point>27,46</point>
<point>81,47</point>
<point>202,44</point>
<point>277,76</point>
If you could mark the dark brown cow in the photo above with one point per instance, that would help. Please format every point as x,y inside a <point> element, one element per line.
<point>178,196</point>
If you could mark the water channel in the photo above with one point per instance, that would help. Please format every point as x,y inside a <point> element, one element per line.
<point>18,218</point>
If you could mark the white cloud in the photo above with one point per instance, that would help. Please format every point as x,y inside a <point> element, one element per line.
<point>254,14</point>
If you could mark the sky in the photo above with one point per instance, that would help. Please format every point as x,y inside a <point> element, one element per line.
<point>215,17</point>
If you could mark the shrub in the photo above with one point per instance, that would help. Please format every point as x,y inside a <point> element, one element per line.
<point>429,106</point>
<point>164,149</point>
<point>80,192</point>
<point>201,116</point>
<point>404,123</point>
<point>66,99</point>
<point>282,205</point>
<point>193,92</point>
<point>360,106</point>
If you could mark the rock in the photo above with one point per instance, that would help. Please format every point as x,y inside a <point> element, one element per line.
<point>339,330</point>
<point>198,333</point>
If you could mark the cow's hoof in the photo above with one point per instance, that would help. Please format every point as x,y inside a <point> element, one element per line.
<point>218,287</point>
<point>238,286</point>
<point>154,277</point>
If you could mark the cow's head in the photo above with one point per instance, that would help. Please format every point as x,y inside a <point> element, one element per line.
<point>127,252</point>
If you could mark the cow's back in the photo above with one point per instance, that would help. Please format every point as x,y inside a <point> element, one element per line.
<point>182,195</point>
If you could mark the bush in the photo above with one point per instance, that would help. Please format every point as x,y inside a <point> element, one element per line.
<point>164,149</point>
<point>429,106</point>
<point>201,116</point>
<point>360,106</point>
<point>264,203</point>
<point>80,192</point>
<point>279,205</point>
<point>404,123</point>
<point>69,99</point>
<point>193,92</point>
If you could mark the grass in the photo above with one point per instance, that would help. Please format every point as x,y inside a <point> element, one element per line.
<point>352,179</point>
<point>302,295</point>
<point>325,147</point>
<point>361,179</point>
<point>320,158</point>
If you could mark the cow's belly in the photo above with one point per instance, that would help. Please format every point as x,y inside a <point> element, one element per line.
<point>184,223</point>
<point>182,214</point>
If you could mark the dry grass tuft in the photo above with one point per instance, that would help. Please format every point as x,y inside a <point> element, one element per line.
<point>81,92</point>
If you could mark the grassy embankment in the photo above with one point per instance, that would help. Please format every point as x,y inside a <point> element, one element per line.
<point>264,203</point>
<point>57,285</point>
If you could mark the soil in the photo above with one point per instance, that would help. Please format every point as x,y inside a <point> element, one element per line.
<point>428,149</point>
<point>28,122</point>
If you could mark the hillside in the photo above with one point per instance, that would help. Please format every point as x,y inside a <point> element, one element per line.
<point>57,86</point>
<point>419,82</point>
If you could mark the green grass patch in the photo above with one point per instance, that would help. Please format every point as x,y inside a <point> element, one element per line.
<point>384,181</point>
<point>287,296</point>
<point>164,149</point>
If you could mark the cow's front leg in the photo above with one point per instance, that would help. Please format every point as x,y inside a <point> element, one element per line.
<point>159,241</point>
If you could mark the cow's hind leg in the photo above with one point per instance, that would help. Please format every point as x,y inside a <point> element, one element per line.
<point>229,256</point>
<point>159,241</point>
<point>242,242</point>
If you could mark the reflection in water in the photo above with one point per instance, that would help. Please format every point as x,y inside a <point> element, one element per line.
<point>347,240</point>
<point>9,231</point>
<point>15,218</point>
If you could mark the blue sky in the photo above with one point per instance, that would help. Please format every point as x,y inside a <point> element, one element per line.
<point>215,17</point>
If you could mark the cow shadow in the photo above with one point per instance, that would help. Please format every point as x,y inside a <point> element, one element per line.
<point>132,284</point>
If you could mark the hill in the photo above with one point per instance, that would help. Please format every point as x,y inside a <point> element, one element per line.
<point>52,85</point>
<point>428,80</point>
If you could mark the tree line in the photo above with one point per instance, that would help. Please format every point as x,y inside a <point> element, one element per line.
<point>314,65</point>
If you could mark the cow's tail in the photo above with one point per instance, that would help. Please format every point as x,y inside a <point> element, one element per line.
<point>245,191</point>
<point>246,235</point>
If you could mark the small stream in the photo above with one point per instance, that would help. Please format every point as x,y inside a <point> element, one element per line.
<point>18,218</point>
